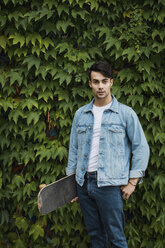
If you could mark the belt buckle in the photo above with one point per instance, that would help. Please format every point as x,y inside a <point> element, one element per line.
<point>91,173</point>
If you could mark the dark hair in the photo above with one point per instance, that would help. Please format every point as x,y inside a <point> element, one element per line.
<point>103,67</point>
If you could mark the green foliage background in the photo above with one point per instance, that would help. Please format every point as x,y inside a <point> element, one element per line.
<point>49,45</point>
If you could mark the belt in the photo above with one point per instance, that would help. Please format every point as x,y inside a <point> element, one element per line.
<point>88,174</point>
<point>91,173</point>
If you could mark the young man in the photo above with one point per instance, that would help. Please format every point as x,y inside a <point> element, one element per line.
<point>106,137</point>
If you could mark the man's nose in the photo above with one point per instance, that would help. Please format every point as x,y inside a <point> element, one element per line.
<point>100,85</point>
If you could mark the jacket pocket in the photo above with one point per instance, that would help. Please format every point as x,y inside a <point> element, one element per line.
<point>81,133</point>
<point>81,129</point>
<point>116,129</point>
<point>116,136</point>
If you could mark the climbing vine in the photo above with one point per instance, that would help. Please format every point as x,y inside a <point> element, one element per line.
<point>46,48</point>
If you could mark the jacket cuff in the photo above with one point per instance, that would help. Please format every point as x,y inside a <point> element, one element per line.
<point>70,171</point>
<point>136,174</point>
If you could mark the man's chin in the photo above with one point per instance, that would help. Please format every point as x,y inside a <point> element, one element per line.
<point>100,96</point>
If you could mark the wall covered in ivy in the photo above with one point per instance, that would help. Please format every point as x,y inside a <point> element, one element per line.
<point>46,47</point>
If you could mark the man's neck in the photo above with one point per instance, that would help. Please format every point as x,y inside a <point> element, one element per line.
<point>102,102</point>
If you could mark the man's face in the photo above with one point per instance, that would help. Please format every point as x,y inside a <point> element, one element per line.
<point>100,85</point>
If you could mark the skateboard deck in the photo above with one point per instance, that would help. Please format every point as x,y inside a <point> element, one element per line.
<point>57,194</point>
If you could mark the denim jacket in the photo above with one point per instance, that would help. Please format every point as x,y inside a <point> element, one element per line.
<point>123,149</point>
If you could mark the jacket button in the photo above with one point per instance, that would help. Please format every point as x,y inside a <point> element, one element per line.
<point>87,141</point>
<point>85,155</point>
<point>89,127</point>
<point>82,169</point>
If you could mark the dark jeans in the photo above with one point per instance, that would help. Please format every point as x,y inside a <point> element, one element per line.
<point>102,209</point>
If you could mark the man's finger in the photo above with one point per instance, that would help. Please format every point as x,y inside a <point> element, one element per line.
<point>73,200</point>
<point>42,186</point>
<point>39,206</point>
<point>125,196</point>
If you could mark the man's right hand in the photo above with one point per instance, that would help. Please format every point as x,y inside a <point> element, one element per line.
<point>41,187</point>
<point>74,199</point>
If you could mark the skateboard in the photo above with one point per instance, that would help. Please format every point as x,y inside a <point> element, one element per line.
<point>57,194</point>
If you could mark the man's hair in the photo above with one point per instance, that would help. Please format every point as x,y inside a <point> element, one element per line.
<point>103,67</point>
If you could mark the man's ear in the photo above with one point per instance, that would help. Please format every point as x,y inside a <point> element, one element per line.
<point>111,81</point>
<point>90,84</point>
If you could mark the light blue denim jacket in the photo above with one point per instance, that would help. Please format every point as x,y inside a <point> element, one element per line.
<point>123,149</point>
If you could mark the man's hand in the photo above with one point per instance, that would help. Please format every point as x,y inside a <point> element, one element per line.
<point>39,204</point>
<point>74,199</point>
<point>128,189</point>
<point>42,186</point>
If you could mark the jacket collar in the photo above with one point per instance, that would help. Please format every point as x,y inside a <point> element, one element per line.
<point>114,106</point>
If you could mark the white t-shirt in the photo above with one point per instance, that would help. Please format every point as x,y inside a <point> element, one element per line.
<point>93,157</point>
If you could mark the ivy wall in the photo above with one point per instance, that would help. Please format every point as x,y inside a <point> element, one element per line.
<point>46,47</point>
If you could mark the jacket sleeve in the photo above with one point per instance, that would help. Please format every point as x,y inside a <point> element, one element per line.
<point>139,145</point>
<point>72,158</point>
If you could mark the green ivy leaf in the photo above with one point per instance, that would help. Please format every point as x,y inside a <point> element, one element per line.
<point>161,15</point>
<point>159,181</point>
<point>60,152</point>
<point>36,231</point>
<point>29,103</point>
<point>19,243</point>
<point>47,42</point>
<point>4,217</point>
<point>4,141</point>
<point>6,104</point>
<point>45,95</point>
<point>44,154</point>
<point>33,117</point>
<point>27,156</point>
<point>33,38</point>
<point>62,46</point>
<point>18,180</point>
<point>15,76</point>
<point>32,61</point>
<point>29,188</point>
<point>130,52</point>
<point>21,223</point>
<point>3,41</point>
<point>0,179</point>
<point>15,114</point>
<point>63,25</point>
<point>62,8</point>
<point>17,38</point>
